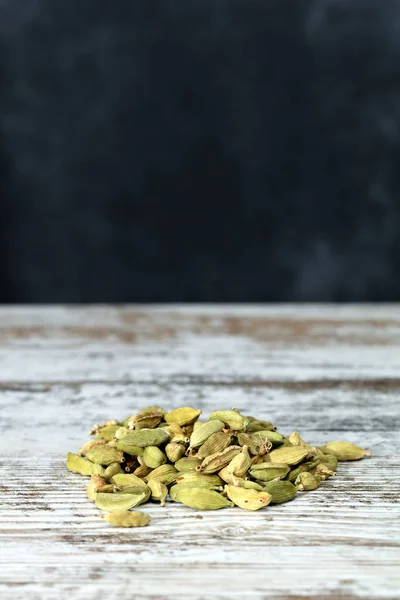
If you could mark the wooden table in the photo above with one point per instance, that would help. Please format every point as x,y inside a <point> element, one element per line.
<point>331,372</point>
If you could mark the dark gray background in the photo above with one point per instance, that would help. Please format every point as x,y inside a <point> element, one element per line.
<point>199,150</point>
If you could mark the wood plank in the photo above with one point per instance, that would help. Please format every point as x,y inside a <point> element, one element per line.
<point>330,372</point>
<point>247,344</point>
<point>57,417</point>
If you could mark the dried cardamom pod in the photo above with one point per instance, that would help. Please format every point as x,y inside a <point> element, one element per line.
<point>123,479</point>
<point>127,518</point>
<point>159,491</point>
<point>202,433</point>
<point>281,491</point>
<point>307,481</point>
<point>96,482</point>
<point>153,457</point>
<point>165,473</point>
<point>253,443</point>
<point>233,419</point>
<point>79,464</point>
<point>127,448</point>
<point>183,416</point>
<point>274,437</point>
<point>215,443</point>
<point>246,483</point>
<point>174,451</point>
<point>329,460</point>
<point>112,470</point>
<point>323,471</point>
<point>256,425</point>
<point>216,462</point>
<point>201,498</point>
<point>90,444</point>
<point>145,437</point>
<point>344,451</point>
<point>248,499</point>
<point>112,502</point>
<point>187,463</point>
<point>269,471</point>
<point>105,455</point>
<point>241,463</point>
<point>107,433</point>
<point>142,471</point>
<point>198,479</point>
<point>290,455</point>
<point>180,486</point>
<point>304,467</point>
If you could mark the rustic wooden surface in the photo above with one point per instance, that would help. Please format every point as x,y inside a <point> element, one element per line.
<point>332,372</point>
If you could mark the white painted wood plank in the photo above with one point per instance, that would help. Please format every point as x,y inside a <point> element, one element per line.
<point>341,539</point>
<point>181,344</point>
<point>329,371</point>
<point>56,418</point>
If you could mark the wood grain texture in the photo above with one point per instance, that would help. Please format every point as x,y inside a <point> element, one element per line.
<point>329,371</point>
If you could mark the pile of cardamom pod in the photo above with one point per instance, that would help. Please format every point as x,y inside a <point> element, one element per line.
<point>228,460</point>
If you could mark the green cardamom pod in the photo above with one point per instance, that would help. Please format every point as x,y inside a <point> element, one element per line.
<point>290,455</point>
<point>247,499</point>
<point>165,474</point>
<point>307,481</point>
<point>201,498</point>
<point>183,416</point>
<point>78,464</point>
<point>187,463</point>
<point>174,451</point>
<point>233,419</point>
<point>112,502</point>
<point>127,518</point>
<point>344,451</point>
<point>202,433</point>
<point>159,491</point>
<point>153,457</point>
<point>198,479</point>
<point>122,479</point>
<point>269,471</point>
<point>281,491</point>
<point>105,455</point>
<point>145,437</point>
<point>215,443</point>
<point>216,462</point>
